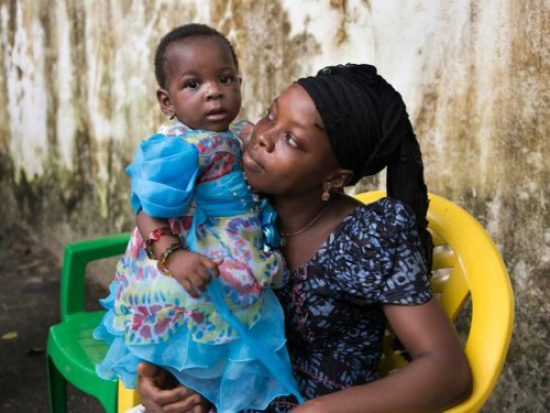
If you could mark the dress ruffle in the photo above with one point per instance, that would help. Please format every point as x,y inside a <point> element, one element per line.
<point>229,375</point>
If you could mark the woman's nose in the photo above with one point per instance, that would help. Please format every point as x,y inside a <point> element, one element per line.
<point>265,140</point>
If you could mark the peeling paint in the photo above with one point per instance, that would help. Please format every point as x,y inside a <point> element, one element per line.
<point>77,94</point>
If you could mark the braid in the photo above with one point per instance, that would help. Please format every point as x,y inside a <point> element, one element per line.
<point>405,182</point>
<point>369,129</point>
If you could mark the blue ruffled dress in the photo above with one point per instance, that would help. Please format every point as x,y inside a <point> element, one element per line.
<point>229,344</point>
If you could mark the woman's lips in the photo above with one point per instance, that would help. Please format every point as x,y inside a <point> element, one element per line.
<point>250,163</point>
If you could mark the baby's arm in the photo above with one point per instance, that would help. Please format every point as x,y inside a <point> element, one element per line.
<point>190,269</point>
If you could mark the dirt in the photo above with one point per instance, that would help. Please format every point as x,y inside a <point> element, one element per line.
<point>29,304</point>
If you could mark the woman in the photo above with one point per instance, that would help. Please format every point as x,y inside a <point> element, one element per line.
<point>354,268</point>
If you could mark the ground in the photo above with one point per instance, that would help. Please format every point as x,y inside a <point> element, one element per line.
<point>29,304</point>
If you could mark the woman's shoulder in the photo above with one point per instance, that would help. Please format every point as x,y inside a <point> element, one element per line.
<point>384,218</point>
<point>373,229</point>
<point>373,243</point>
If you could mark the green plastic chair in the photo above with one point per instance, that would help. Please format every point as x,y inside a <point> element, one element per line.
<point>72,352</point>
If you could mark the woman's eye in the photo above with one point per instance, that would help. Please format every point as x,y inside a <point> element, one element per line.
<point>192,84</point>
<point>291,141</point>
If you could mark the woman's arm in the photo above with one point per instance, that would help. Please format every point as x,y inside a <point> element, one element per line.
<point>438,376</point>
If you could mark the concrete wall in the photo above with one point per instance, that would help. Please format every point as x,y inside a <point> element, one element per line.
<point>77,95</point>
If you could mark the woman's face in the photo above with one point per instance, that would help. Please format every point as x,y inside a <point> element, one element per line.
<point>289,152</point>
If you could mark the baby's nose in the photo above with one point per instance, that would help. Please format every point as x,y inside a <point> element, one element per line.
<point>214,90</point>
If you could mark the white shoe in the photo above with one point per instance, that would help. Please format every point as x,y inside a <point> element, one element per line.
<point>140,408</point>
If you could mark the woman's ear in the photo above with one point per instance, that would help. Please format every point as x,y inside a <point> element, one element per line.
<point>165,103</point>
<point>338,179</point>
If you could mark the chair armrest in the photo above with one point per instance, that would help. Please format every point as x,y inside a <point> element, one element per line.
<point>76,258</point>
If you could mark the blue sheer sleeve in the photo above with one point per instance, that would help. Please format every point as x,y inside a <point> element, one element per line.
<point>163,176</point>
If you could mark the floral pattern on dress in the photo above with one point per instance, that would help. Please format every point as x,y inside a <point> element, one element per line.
<point>333,304</point>
<point>151,308</point>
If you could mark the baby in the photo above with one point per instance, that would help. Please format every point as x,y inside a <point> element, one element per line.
<point>196,218</point>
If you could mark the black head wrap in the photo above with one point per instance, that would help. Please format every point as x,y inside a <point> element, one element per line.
<point>369,129</point>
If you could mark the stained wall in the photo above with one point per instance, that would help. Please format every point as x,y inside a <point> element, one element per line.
<point>77,95</point>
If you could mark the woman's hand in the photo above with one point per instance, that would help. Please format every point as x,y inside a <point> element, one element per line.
<point>177,400</point>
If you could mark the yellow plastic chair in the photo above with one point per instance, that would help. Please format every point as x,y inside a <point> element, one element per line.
<point>466,264</point>
<point>127,398</point>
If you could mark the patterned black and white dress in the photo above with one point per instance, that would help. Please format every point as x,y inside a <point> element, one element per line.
<point>333,303</point>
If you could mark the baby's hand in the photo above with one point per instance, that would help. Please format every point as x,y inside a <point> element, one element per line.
<point>192,270</point>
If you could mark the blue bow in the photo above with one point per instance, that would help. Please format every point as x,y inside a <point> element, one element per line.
<point>269,229</point>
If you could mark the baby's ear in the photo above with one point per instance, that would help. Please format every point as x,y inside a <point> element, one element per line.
<point>165,103</point>
<point>240,80</point>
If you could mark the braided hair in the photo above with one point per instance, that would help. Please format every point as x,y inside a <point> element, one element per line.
<point>369,129</point>
<point>181,33</point>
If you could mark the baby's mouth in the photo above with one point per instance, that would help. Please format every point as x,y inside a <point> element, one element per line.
<point>218,114</point>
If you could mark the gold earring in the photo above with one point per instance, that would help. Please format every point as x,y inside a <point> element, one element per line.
<point>326,196</point>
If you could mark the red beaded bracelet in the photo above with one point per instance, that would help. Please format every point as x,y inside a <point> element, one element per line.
<point>154,236</point>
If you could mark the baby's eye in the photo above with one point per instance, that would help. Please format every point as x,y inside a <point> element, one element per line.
<point>291,140</point>
<point>226,79</point>
<point>192,84</point>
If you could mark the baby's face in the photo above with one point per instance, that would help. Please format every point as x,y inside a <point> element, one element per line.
<point>203,88</point>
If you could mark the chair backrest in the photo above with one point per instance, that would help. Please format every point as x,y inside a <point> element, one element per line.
<point>466,264</point>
